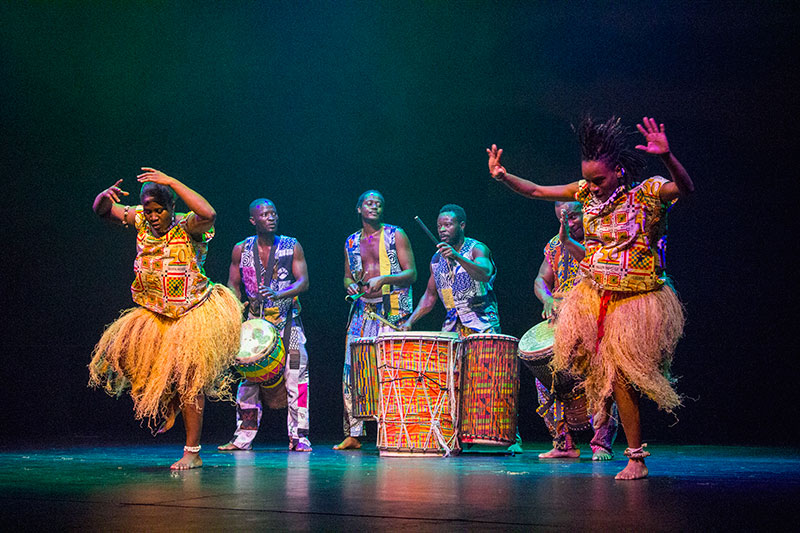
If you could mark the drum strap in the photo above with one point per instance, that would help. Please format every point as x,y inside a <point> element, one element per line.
<point>267,277</point>
<point>265,281</point>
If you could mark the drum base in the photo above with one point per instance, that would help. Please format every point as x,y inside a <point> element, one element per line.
<point>485,441</point>
<point>410,453</point>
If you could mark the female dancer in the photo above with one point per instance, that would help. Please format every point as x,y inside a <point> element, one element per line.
<point>620,325</point>
<point>175,347</point>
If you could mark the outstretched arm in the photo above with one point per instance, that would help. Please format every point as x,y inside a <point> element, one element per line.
<point>657,144</point>
<point>204,214</point>
<point>425,304</point>
<point>107,205</point>
<point>528,188</point>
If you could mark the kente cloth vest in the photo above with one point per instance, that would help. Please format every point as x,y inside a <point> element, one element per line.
<point>281,277</point>
<point>396,300</point>
<point>465,299</point>
<point>624,237</point>
<point>169,277</point>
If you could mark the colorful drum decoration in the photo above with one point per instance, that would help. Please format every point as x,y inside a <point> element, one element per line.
<point>364,378</point>
<point>489,389</point>
<point>261,357</point>
<point>416,376</point>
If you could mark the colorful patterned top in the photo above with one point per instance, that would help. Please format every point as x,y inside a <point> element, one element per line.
<point>169,269</point>
<point>469,301</point>
<point>282,275</point>
<point>565,268</point>
<point>396,300</point>
<point>623,236</point>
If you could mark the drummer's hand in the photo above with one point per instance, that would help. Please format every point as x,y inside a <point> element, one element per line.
<point>374,284</point>
<point>353,288</point>
<point>405,326</point>
<point>266,292</point>
<point>496,170</point>
<point>447,251</point>
<point>547,311</point>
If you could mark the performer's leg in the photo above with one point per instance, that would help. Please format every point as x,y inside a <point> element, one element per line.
<point>605,423</point>
<point>192,411</point>
<point>248,416</point>
<point>296,377</point>
<point>627,399</point>
<point>353,428</point>
<point>551,409</point>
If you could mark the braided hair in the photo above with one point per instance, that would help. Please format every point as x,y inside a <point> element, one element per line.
<point>606,142</point>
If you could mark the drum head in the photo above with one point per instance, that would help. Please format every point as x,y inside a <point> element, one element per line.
<point>258,337</point>
<point>538,340</point>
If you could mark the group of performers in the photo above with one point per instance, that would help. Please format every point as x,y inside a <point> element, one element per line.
<point>602,285</point>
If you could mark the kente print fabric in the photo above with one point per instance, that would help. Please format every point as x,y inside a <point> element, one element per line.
<point>622,237</point>
<point>169,277</point>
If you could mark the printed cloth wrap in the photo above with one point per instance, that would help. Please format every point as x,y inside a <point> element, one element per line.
<point>397,300</point>
<point>282,276</point>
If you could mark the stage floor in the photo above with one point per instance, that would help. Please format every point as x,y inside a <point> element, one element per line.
<point>107,488</point>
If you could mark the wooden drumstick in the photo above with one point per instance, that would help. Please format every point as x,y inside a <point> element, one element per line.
<point>382,320</point>
<point>427,231</point>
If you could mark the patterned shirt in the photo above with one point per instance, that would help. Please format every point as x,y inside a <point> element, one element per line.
<point>565,268</point>
<point>169,269</point>
<point>469,301</point>
<point>623,236</point>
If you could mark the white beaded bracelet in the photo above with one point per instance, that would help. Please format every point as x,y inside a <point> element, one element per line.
<point>192,449</point>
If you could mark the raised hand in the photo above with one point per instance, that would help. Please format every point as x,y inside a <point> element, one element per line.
<point>563,231</point>
<point>654,135</point>
<point>156,176</point>
<point>113,193</point>
<point>495,168</point>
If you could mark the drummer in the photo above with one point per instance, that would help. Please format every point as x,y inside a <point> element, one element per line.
<point>462,275</point>
<point>272,268</point>
<point>378,272</point>
<point>558,273</point>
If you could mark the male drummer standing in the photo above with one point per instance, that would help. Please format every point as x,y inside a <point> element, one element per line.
<point>378,262</point>
<point>558,273</point>
<point>273,270</point>
<point>462,274</point>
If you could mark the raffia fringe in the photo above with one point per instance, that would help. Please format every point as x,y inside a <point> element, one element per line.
<point>159,358</point>
<point>641,332</point>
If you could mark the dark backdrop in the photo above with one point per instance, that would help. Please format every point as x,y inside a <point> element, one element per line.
<point>310,104</point>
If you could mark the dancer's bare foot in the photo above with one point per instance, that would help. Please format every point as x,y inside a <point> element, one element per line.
<point>188,461</point>
<point>636,469</point>
<point>231,447</point>
<point>350,443</point>
<point>555,453</point>
<point>601,454</point>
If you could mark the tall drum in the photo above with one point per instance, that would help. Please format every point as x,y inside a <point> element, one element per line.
<point>416,378</point>
<point>364,379</point>
<point>489,390</point>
